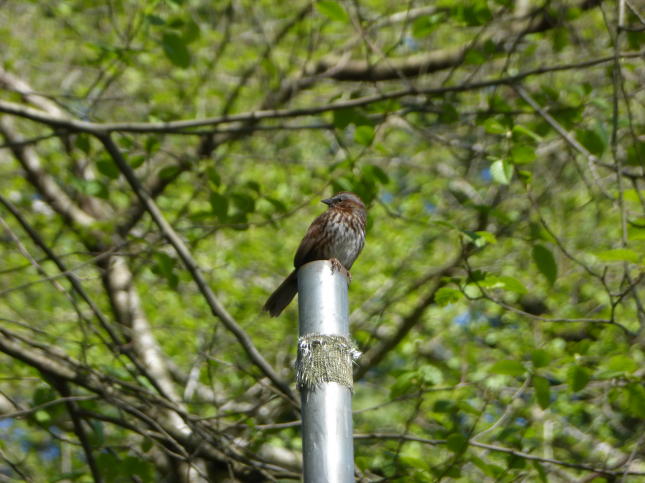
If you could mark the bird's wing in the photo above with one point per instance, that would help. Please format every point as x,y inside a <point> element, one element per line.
<point>307,251</point>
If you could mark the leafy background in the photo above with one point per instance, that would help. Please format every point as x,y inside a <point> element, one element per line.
<point>498,302</point>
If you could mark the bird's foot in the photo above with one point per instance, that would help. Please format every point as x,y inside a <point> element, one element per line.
<point>336,266</point>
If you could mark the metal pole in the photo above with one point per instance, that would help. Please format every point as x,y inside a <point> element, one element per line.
<point>328,450</point>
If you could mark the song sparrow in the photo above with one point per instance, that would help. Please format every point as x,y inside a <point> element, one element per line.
<point>338,235</point>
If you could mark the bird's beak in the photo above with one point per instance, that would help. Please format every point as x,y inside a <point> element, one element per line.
<point>328,201</point>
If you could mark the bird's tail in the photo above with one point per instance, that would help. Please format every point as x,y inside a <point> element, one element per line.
<point>283,295</point>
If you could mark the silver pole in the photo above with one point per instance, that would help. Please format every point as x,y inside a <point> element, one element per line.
<point>328,450</point>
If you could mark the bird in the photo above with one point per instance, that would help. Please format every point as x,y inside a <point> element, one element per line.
<point>337,235</point>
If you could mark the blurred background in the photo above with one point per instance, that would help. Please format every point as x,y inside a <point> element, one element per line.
<point>160,161</point>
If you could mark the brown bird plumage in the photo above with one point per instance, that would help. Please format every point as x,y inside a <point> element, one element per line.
<point>339,233</point>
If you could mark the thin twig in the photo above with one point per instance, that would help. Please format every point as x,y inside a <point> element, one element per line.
<point>101,129</point>
<point>501,449</point>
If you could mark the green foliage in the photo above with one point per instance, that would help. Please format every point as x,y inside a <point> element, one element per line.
<point>542,391</point>
<point>333,10</point>
<point>545,261</point>
<point>499,296</point>
<point>175,49</point>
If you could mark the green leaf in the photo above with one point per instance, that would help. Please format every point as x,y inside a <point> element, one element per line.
<point>457,443</point>
<point>540,471</point>
<point>332,10</point>
<point>512,284</point>
<point>169,172</point>
<point>151,144</point>
<point>447,295</point>
<point>636,400</point>
<point>83,143</point>
<point>42,416</point>
<point>578,378</point>
<point>277,204</point>
<point>94,187</point>
<point>342,118</point>
<point>545,262</point>
<point>375,172</point>
<point>636,154</point>
<point>403,384</point>
<point>633,196</point>
<point>525,176</point>
<point>243,202</point>
<point>154,20</point>
<point>542,391</point>
<point>522,154</point>
<point>619,365</point>
<point>165,267</point>
<point>136,161</point>
<point>474,13</point>
<point>494,126</point>
<point>507,367</point>
<point>519,130</point>
<point>213,176</point>
<point>448,113</point>
<point>540,358</point>
<point>560,38</point>
<point>364,135</point>
<point>126,142</point>
<point>219,205</point>
<point>423,26</point>
<point>146,445</point>
<point>486,236</point>
<point>501,171</point>
<point>253,186</point>
<point>430,374</point>
<point>108,168</point>
<point>514,462</point>
<point>592,140</point>
<point>475,56</point>
<point>191,31</point>
<point>443,406</point>
<point>619,255</point>
<point>491,470</point>
<point>175,49</point>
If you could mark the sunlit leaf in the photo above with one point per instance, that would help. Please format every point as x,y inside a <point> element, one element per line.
<point>447,295</point>
<point>619,255</point>
<point>364,135</point>
<point>508,367</point>
<point>501,171</point>
<point>332,10</point>
<point>522,154</point>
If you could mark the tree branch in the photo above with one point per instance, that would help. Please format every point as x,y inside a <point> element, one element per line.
<point>72,408</point>
<point>501,449</point>
<point>44,183</point>
<point>423,64</point>
<point>169,233</point>
<point>102,129</point>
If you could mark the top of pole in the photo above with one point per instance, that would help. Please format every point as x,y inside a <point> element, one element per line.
<point>323,307</point>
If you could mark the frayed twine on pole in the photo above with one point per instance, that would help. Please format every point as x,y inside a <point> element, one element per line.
<point>325,358</point>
